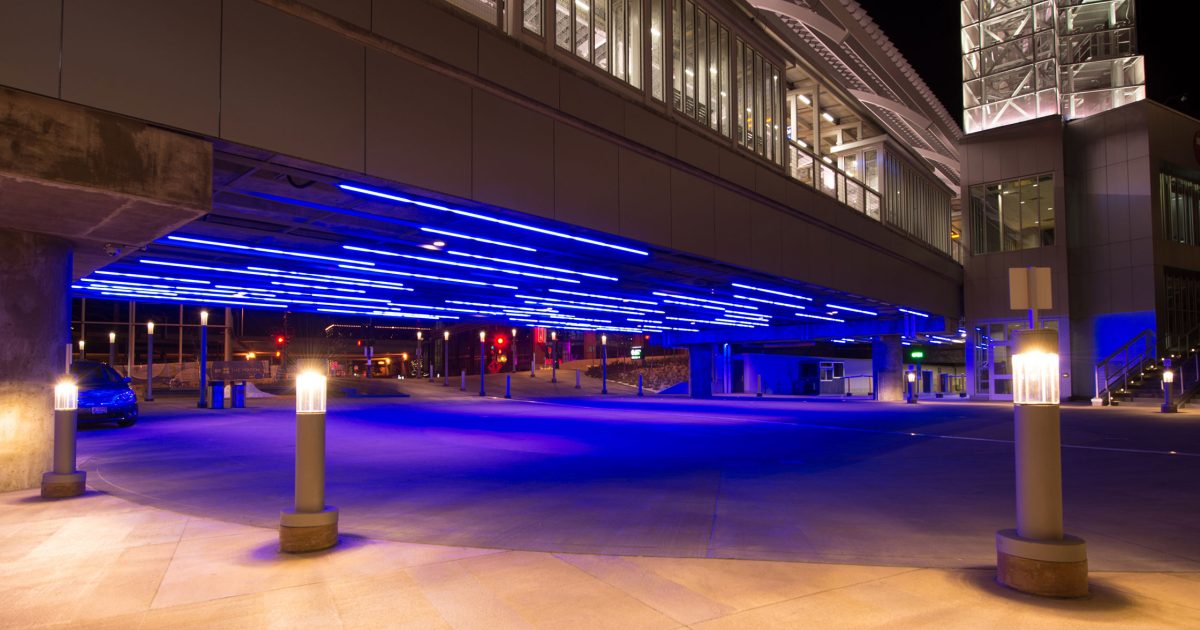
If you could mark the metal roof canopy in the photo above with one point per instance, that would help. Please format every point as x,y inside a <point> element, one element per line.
<point>286,235</point>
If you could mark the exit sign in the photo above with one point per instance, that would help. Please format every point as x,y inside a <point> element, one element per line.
<point>915,355</point>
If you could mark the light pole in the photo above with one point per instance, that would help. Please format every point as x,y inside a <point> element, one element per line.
<point>603,364</point>
<point>310,525</point>
<point>553,357</point>
<point>1168,378</point>
<point>149,360</point>
<point>482,360</point>
<point>64,481</point>
<point>446,360</point>
<point>911,375</point>
<point>112,349</point>
<point>1038,557</point>
<point>419,362</point>
<point>203,360</point>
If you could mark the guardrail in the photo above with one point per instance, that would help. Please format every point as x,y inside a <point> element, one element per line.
<point>821,174</point>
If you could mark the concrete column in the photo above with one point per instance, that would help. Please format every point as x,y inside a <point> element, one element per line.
<point>35,312</point>
<point>700,367</point>
<point>887,359</point>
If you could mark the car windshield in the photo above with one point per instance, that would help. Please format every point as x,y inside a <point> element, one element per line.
<point>94,374</point>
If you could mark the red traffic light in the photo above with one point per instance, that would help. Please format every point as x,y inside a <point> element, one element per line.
<point>499,341</point>
<point>279,340</point>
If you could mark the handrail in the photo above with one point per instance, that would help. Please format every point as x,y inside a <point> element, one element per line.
<point>1146,354</point>
<point>849,190</point>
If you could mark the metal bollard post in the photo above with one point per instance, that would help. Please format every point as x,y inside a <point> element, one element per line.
<point>508,386</point>
<point>64,481</point>
<point>759,394</point>
<point>639,384</point>
<point>577,385</point>
<point>1168,379</point>
<point>463,387</point>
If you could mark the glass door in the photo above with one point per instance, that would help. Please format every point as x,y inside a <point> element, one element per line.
<point>1000,368</point>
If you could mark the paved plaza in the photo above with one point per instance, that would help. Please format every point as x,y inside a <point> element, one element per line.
<point>568,509</point>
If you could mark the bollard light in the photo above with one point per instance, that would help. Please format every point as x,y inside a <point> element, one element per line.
<point>203,318</point>
<point>1037,556</point>
<point>482,335</point>
<point>603,364</point>
<point>310,525</point>
<point>150,327</point>
<point>64,480</point>
<point>66,396</point>
<point>310,392</point>
<point>1035,378</point>
<point>446,358</point>
<point>112,337</point>
<point>446,335</point>
<point>912,377</point>
<point>418,335</point>
<point>482,361</point>
<point>1168,377</point>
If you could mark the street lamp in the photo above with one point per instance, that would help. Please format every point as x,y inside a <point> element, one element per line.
<point>446,360</point>
<point>310,525</point>
<point>482,360</point>
<point>911,376</point>
<point>603,364</point>
<point>203,360</point>
<point>1038,557</point>
<point>553,356</point>
<point>112,349</point>
<point>1168,377</point>
<point>63,480</point>
<point>149,360</point>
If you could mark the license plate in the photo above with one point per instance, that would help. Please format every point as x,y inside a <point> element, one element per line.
<point>99,410</point>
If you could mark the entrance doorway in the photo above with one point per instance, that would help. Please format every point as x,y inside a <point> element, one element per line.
<point>993,357</point>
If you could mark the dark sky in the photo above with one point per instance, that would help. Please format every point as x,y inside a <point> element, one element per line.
<point>927,32</point>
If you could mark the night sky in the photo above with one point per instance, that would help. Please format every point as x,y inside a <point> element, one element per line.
<point>927,32</point>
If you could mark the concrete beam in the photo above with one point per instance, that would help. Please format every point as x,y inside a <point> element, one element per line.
<point>95,178</point>
<point>806,332</point>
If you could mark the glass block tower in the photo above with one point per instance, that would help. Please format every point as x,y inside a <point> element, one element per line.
<point>1024,59</point>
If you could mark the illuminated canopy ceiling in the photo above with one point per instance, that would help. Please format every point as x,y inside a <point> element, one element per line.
<point>281,237</point>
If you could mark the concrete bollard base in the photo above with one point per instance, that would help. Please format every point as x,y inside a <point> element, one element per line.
<point>1056,568</point>
<point>303,532</point>
<point>63,485</point>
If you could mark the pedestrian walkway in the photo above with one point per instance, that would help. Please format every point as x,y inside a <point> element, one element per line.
<point>103,562</point>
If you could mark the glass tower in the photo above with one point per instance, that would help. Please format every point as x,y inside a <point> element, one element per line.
<point>1023,59</point>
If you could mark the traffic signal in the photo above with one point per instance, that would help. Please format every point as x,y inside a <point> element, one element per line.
<point>279,340</point>
<point>499,341</point>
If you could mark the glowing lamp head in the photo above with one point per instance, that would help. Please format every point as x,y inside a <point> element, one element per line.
<point>250,356</point>
<point>203,318</point>
<point>604,340</point>
<point>82,343</point>
<point>418,335</point>
<point>482,335</point>
<point>112,337</point>
<point>66,396</point>
<point>514,333</point>
<point>446,335</point>
<point>1035,367</point>
<point>403,356</point>
<point>150,327</point>
<point>310,393</point>
<point>911,376</point>
<point>553,336</point>
<point>1168,377</point>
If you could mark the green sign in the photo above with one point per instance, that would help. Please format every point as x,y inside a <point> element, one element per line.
<point>916,355</point>
<point>635,352</point>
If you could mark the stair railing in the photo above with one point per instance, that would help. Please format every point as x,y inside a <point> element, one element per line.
<point>1130,359</point>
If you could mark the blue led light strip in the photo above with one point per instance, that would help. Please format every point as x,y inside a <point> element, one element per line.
<point>439,261</point>
<point>602,297</point>
<point>821,317</point>
<point>704,300</point>
<point>839,307</point>
<point>532,266</point>
<point>266,250</point>
<point>772,291</point>
<point>406,274</point>
<point>474,215</point>
<point>772,302</point>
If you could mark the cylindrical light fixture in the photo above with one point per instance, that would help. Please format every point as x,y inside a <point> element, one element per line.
<point>203,361</point>
<point>149,360</point>
<point>603,364</point>
<point>64,481</point>
<point>445,358</point>
<point>1038,557</point>
<point>310,525</point>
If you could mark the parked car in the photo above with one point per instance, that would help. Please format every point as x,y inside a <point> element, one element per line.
<point>104,395</point>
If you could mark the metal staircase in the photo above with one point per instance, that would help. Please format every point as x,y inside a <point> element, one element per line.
<point>1134,372</point>
<point>1116,373</point>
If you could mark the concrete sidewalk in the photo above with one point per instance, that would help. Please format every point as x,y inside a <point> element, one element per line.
<point>102,562</point>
